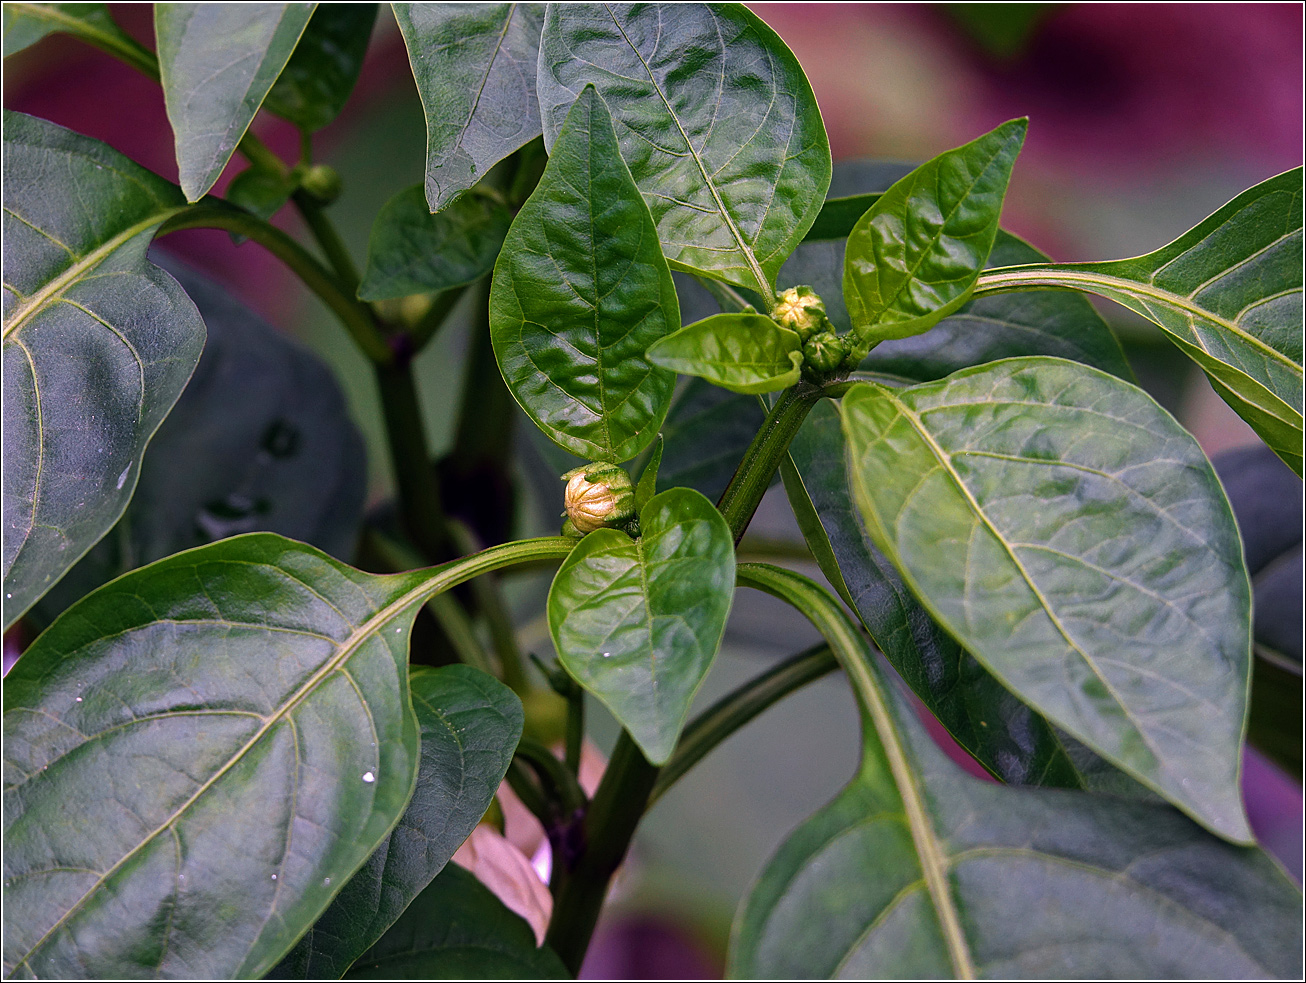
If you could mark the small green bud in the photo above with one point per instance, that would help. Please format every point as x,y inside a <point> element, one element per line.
<point>323,183</point>
<point>824,352</point>
<point>801,309</point>
<point>598,496</point>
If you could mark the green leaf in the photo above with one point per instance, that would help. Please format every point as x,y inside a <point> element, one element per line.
<point>27,23</point>
<point>916,870</point>
<point>579,294</point>
<point>1074,538</point>
<point>458,930</point>
<point>260,441</point>
<point>98,344</point>
<point>1228,293</point>
<point>638,622</point>
<point>647,486</point>
<point>913,258</point>
<point>745,353</point>
<point>412,251</point>
<point>706,433</point>
<point>316,82</point>
<point>262,191</point>
<point>715,118</point>
<point>470,724</point>
<point>217,62</point>
<point>475,71</point>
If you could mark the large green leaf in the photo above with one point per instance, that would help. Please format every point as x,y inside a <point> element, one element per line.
<point>1228,292</point>
<point>715,118</point>
<point>412,251</point>
<point>916,870</point>
<point>98,344</point>
<point>321,73</point>
<point>458,930</point>
<point>638,622</point>
<point>201,753</point>
<point>745,353</point>
<point>913,258</point>
<point>475,71</point>
<point>579,294</point>
<point>217,62</point>
<point>1074,538</point>
<point>470,724</point>
<point>27,23</point>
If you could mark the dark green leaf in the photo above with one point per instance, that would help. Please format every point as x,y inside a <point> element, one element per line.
<point>316,82</point>
<point>412,251</point>
<point>475,71</point>
<point>27,23</point>
<point>647,486</point>
<point>261,190</point>
<point>638,622</point>
<point>914,257</point>
<point>458,930</point>
<point>1073,538</point>
<point>217,62</point>
<point>579,294</point>
<point>715,118</point>
<point>706,433</point>
<point>1229,293</point>
<point>745,353</point>
<point>918,871</point>
<point>261,440</point>
<point>470,724</point>
<point>98,344</point>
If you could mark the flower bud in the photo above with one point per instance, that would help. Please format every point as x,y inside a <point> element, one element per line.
<point>824,352</point>
<point>801,309</point>
<point>322,182</point>
<point>598,496</point>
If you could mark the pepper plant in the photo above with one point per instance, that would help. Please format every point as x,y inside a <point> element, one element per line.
<point>231,753</point>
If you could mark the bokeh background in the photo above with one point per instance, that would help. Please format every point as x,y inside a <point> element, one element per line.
<point>1144,118</point>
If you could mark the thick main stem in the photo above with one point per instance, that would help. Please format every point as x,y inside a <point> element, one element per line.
<point>420,507</point>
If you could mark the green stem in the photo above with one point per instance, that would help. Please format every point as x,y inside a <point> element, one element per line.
<point>766,547</point>
<point>526,789</point>
<point>491,603</point>
<point>734,710</point>
<point>753,476</point>
<point>329,239</point>
<point>575,734</point>
<point>420,506</point>
<point>558,781</point>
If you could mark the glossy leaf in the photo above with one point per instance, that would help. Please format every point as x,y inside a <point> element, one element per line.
<point>638,622</point>
<point>98,344</point>
<point>734,170</point>
<point>27,23</point>
<point>470,724</point>
<point>458,930</point>
<point>917,870</point>
<point>1229,293</point>
<point>260,441</point>
<point>217,62</point>
<point>1074,539</point>
<point>579,294</point>
<point>706,433</point>
<point>412,251</point>
<point>913,258</point>
<point>475,71</point>
<point>316,82</point>
<point>745,353</point>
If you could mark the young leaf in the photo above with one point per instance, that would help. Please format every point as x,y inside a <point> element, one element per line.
<point>412,251</point>
<point>731,157</point>
<point>1228,292</point>
<point>458,930</point>
<point>638,622</point>
<point>745,353</point>
<point>579,294</point>
<point>26,23</point>
<point>918,871</point>
<point>1074,539</point>
<point>470,724</point>
<point>217,62</point>
<point>913,258</point>
<point>475,71</point>
<point>316,82</point>
<point>98,344</point>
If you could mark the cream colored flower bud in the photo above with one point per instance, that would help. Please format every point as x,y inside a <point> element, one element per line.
<point>599,496</point>
<point>801,309</point>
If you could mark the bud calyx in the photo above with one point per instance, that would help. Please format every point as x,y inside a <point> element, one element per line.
<point>801,309</point>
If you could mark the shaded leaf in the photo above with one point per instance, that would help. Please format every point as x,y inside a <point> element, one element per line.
<point>579,294</point>
<point>470,724</point>
<point>706,433</point>
<point>1074,539</point>
<point>638,622</point>
<point>316,82</point>
<point>734,172</point>
<point>412,251</point>
<point>1228,293</point>
<point>98,344</point>
<point>913,258</point>
<point>261,190</point>
<point>458,930</point>
<point>647,486</point>
<point>745,353</point>
<point>475,71</point>
<point>27,23</point>
<point>217,62</point>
